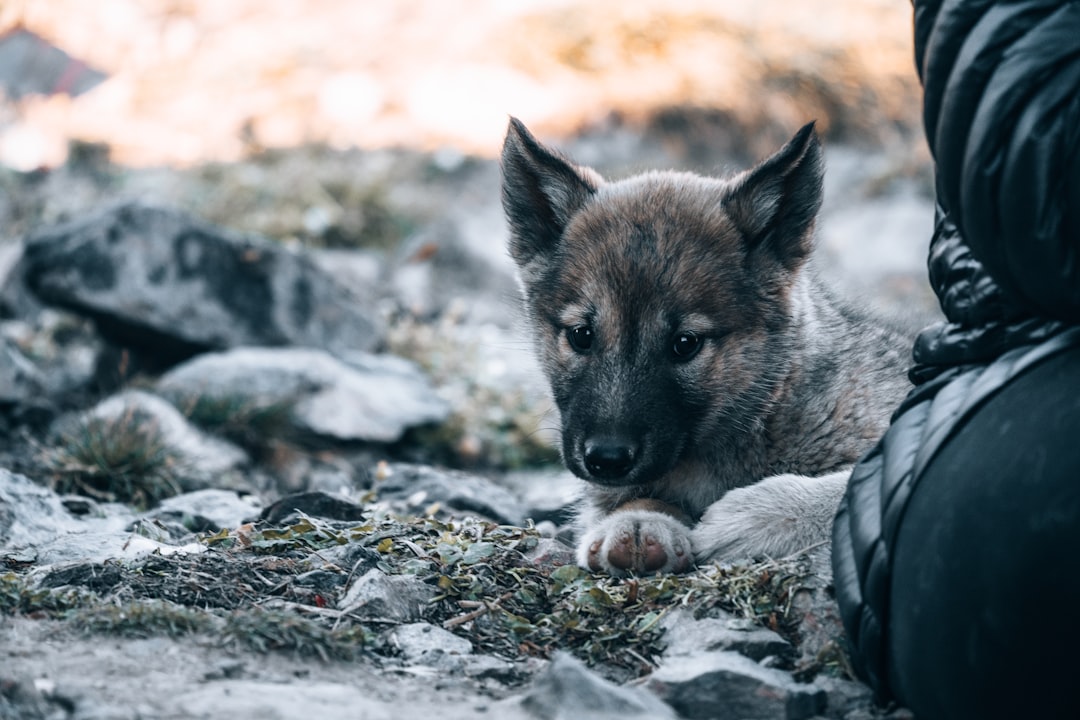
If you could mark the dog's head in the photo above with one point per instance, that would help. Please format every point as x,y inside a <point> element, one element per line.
<point>661,302</point>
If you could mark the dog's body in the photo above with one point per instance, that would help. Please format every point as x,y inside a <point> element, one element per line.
<point>710,389</point>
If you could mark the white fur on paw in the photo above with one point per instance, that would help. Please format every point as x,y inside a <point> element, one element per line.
<point>775,517</point>
<point>636,542</point>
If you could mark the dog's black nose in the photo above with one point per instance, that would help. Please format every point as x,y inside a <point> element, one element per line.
<point>608,459</point>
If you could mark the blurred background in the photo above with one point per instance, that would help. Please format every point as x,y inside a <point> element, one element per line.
<point>189,81</point>
<point>364,136</point>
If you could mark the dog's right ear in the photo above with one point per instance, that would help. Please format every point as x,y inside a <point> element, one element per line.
<point>541,191</point>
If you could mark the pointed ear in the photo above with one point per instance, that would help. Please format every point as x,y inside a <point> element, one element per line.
<point>775,203</point>
<point>541,191</point>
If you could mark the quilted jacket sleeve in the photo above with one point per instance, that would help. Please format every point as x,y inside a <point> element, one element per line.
<point>1002,117</point>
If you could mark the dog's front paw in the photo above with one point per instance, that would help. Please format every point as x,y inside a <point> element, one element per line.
<point>636,542</point>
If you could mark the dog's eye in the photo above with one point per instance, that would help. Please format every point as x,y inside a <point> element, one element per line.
<point>685,346</point>
<point>580,338</point>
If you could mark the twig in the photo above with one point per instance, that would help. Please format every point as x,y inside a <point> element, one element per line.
<point>486,608</point>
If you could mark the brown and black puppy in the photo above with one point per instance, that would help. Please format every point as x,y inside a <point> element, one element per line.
<point>711,391</point>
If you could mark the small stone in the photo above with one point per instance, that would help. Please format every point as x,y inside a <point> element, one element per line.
<point>396,598</point>
<point>686,635</point>
<point>316,504</point>
<point>551,553</point>
<point>211,509</point>
<point>458,491</point>
<point>844,696</point>
<point>20,379</point>
<point>568,690</point>
<point>352,558</point>
<point>726,683</point>
<point>423,643</point>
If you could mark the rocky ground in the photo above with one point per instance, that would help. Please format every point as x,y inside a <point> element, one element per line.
<point>273,443</point>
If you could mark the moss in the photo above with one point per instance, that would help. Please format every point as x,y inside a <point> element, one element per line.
<point>279,630</point>
<point>143,618</point>
<point>17,597</point>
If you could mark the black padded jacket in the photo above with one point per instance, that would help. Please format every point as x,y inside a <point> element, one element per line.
<point>1001,87</point>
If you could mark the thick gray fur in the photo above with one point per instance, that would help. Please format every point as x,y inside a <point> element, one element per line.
<point>741,447</point>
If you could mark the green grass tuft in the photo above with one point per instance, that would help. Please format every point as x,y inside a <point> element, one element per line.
<point>124,459</point>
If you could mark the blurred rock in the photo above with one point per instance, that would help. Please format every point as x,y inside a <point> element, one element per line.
<point>64,349</point>
<point>201,460</point>
<point>20,380</point>
<point>551,553</point>
<point>316,504</point>
<point>16,301</point>
<point>426,644</point>
<point>21,699</point>
<point>844,697</point>
<point>550,495</point>
<point>36,528</point>
<point>170,285</point>
<point>389,598</point>
<point>29,513</point>
<point>418,486</point>
<point>686,635</point>
<point>713,684</point>
<point>570,691</point>
<point>208,510</point>
<point>372,398</point>
<point>352,558</point>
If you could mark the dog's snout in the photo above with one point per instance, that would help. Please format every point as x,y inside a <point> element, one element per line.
<point>609,458</point>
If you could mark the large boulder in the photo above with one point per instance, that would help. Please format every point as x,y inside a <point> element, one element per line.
<point>162,281</point>
<point>370,398</point>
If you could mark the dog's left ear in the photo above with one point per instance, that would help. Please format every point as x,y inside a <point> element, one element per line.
<point>541,191</point>
<point>774,204</point>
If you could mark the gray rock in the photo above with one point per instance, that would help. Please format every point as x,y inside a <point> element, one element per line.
<point>16,300</point>
<point>222,508</point>
<point>814,606</point>
<point>421,485</point>
<point>29,513</point>
<point>726,684</point>
<point>35,527</point>
<point>201,459</point>
<point>352,558</point>
<point>21,699</point>
<point>392,598</point>
<point>369,398</point>
<point>20,379</point>
<point>844,697</point>
<point>550,495</point>
<point>568,690</point>
<point>685,635</point>
<point>163,281</point>
<point>482,667</point>
<point>64,348</point>
<point>551,553</point>
<point>424,643</point>
<point>316,504</point>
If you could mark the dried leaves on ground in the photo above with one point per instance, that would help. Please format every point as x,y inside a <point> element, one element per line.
<point>277,586</point>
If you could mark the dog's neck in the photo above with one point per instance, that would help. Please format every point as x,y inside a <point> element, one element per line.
<point>843,367</point>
